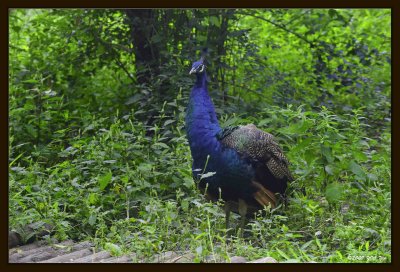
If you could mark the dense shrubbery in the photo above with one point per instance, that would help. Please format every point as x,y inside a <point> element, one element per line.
<point>101,156</point>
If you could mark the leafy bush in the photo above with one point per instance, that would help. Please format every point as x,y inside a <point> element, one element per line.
<point>101,156</point>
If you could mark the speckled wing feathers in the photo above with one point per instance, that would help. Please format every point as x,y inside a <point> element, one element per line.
<point>259,146</point>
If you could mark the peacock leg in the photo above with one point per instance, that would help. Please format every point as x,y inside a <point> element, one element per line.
<point>227,215</point>
<point>242,212</point>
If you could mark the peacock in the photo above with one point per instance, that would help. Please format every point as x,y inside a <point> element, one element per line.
<point>242,165</point>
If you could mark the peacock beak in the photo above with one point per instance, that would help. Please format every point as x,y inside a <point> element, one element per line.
<point>192,71</point>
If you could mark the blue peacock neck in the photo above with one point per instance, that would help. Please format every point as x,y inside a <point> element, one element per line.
<point>201,120</point>
<point>201,81</point>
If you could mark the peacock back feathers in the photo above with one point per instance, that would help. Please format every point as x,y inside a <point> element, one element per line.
<point>259,145</point>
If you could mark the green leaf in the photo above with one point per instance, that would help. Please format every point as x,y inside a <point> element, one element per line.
<point>372,177</point>
<point>357,170</point>
<point>303,145</point>
<point>327,153</point>
<point>334,192</point>
<point>201,38</point>
<point>30,81</point>
<point>93,198</point>
<point>125,179</point>
<point>207,175</point>
<point>92,219</point>
<point>329,170</point>
<point>101,49</point>
<point>296,128</point>
<point>170,121</point>
<point>309,156</point>
<point>114,249</point>
<point>188,182</point>
<point>305,246</point>
<point>230,121</point>
<point>360,156</point>
<point>264,122</point>
<point>332,13</point>
<point>185,205</point>
<point>104,180</point>
<point>199,250</point>
<point>214,21</point>
<point>162,145</point>
<point>144,167</point>
<point>282,254</point>
<point>109,161</point>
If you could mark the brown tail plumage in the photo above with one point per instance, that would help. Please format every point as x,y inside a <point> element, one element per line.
<point>264,196</point>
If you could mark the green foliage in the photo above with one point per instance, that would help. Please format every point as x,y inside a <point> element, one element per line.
<point>100,156</point>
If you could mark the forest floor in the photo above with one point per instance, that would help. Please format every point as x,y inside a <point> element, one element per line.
<point>68,251</point>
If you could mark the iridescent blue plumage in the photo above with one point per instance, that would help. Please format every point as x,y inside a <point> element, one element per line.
<point>248,166</point>
<point>202,128</point>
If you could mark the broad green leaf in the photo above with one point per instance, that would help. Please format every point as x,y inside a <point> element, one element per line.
<point>114,249</point>
<point>93,197</point>
<point>334,192</point>
<point>230,121</point>
<point>372,177</point>
<point>214,20</point>
<point>359,155</point>
<point>327,153</point>
<point>92,219</point>
<point>329,170</point>
<point>104,180</point>
<point>144,167</point>
<point>357,170</point>
<point>199,250</point>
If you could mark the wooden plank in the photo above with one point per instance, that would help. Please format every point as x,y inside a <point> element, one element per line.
<point>82,245</point>
<point>107,260</point>
<point>20,249</point>
<point>39,256</point>
<point>122,259</point>
<point>69,258</point>
<point>94,258</point>
<point>265,260</point>
<point>238,259</point>
<point>23,256</point>
<point>186,258</point>
<point>165,257</point>
<point>214,259</point>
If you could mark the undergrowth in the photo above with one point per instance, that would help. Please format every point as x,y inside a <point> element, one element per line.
<point>98,147</point>
<point>133,192</point>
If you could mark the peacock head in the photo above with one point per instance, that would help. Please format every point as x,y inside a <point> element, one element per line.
<point>198,67</point>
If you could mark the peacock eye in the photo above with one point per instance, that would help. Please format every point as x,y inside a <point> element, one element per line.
<point>202,68</point>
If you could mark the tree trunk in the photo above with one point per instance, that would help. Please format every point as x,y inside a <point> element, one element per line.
<point>146,53</point>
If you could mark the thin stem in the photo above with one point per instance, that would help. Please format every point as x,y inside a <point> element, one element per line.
<point>209,236</point>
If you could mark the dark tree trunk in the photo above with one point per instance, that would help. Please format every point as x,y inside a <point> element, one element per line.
<point>146,53</point>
